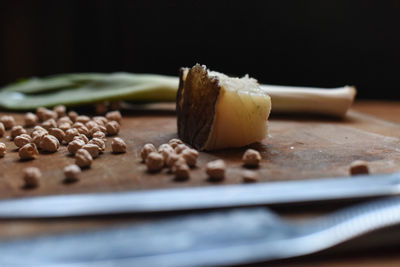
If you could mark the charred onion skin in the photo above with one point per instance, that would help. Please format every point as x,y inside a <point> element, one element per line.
<point>195,105</point>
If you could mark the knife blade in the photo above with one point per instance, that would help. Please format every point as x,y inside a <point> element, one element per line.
<point>227,237</point>
<point>211,197</point>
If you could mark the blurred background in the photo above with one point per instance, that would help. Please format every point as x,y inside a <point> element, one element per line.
<point>302,43</point>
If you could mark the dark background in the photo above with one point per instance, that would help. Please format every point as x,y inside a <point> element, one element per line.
<point>304,43</point>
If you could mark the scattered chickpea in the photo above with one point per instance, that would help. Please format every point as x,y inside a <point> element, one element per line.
<point>2,129</point>
<point>251,158</point>
<point>83,158</point>
<point>75,145</point>
<point>82,137</point>
<point>22,140</point>
<point>112,127</point>
<point>39,128</point>
<point>37,136</point>
<point>171,159</point>
<point>99,134</point>
<point>190,156</point>
<point>83,130</point>
<point>216,169</point>
<point>72,172</point>
<point>90,125</point>
<point>175,142</point>
<point>48,124</point>
<point>359,167</point>
<point>179,148</point>
<point>100,120</point>
<point>146,150</point>
<point>249,176</point>
<point>64,119</point>
<point>98,142</point>
<point>154,162</point>
<point>72,115</point>
<point>17,130</point>
<point>118,145</point>
<point>3,150</point>
<point>32,176</point>
<point>30,119</point>
<point>61,110</point>
<point>8,121</point>
<point>181,170</point>
<point>83,119</point>
<point>40,113</point>
<point>64,126</point>
<point>114,116</point>
<point>47,115</point>
<point>49,143</point>
<point>70,134</point>
<point>103,129</point>
<point>93,149</point>
<point>165,150</point>
<point>28,151</point>
<point>57,133</point>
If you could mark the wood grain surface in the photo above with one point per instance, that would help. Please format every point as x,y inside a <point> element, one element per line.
<point>297,148</point>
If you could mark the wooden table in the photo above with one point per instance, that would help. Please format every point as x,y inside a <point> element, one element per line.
<point>11,229</point>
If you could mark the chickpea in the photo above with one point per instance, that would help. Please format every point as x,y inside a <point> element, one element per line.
<point>73,115</point>
<point>118,145</point>
<point>64,119</point>
<point>154,162</point>
<point>48,124</point>
<point>28,151</point>
<point>216,169</point>
<point>251,158</point>
<point>57,133</point>
<point>174,142</point>
<point>83,119</point>
<point>70,134</point>
<point>22,140</point>
<point>249,176</point>
<point>17,130</point>
<point>39,128</point>
<point>3,150</point>
<point>90,125</point>
<point>181,170</point>
<point>98,142</point>
<point>82,137</point>
<point>37,136</point>
<point>359,167</point>
<point>114,116</point>
<point>146,150</point>
<point>99,134</point>
<point>8,121</point>
<point>45,114</point>
<point>32,176</point>
<point>83,158</point>
<point>93,149</point>
<point>112,127</point>
<point>100,120</point>
<point>64,126</point>
<point>165,150</point>
<point>2,129</point>
<point>190,156</point>
<point>30,119</point>
<point>75,145</point>
<point>49,143</point>
<point>60,110</point>
<point>72,172</point>
<point>180,148</point>
<point>171,159</point>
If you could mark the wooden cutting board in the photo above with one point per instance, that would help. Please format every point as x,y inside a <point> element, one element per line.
<point>297,148</point>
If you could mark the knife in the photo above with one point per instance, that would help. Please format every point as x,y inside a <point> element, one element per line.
<point>211,197</point>
<point>236,236</point>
